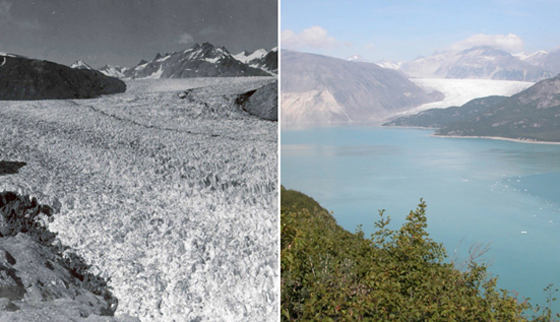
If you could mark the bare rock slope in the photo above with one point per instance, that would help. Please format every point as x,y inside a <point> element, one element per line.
<point>39,279</point>
<point>321,89</point>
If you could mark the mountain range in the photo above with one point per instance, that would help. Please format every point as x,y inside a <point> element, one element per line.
<point>202,60</point>
<point>260,58</point>
<point>533,114</point>
<point>482,62</point>
<point>321,89</point>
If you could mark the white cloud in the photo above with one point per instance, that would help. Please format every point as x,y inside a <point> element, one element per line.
<point>315,37</point>
<point>511,43</point>
<point>185,39</point>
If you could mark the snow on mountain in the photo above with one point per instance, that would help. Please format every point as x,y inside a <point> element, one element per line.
<point>535,58</point>
<point>113,71</point>
<point>246,57</point>
<point>10,55</point>
<point>357,58</point>
<point>482,62</point>
<point>260,58</point>
<point>80,64</point>
<point>390,64</point>
<point>200,61</point>
<point>269,62</point>
<point>549,61</point>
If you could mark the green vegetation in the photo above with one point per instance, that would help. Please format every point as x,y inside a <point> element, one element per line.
<point>533,114</point>
<point>330,274</point>
<point>441,117</point>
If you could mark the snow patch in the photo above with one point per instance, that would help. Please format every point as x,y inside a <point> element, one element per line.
<point>164,58</point>
<point>212,60</point>
<point>257,54</point>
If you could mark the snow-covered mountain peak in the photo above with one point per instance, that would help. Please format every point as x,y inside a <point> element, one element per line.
<point>356,58</point>
<point>535,58</point>
<point>80,64</point>
<point>113,71</point>
<point>10,55</point>
<point>207,51</point>
<point>485,51</point>
<point>482,62</point>
<point>202,60</point>
<point>390,64</point>
<point>246,57</point>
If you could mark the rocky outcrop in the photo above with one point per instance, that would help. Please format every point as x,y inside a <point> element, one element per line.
<point>41,280</point>
<point>32,79</point>
<point>262,102</point>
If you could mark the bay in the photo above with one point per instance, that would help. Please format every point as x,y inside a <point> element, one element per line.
<point>498,193</point>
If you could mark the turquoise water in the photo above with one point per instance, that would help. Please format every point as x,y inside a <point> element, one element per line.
<point>478,191</point>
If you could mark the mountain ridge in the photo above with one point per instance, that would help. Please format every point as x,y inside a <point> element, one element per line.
<point>530,115</point>
<point>483,62</point>
<point>32,79</point>
<point>202,60</point>
<point>323,89</point>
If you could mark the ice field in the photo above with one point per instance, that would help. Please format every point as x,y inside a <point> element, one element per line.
<point>460,91</point>
<point>169,189</point>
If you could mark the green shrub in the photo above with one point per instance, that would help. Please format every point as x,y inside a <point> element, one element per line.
<point>329,274</point>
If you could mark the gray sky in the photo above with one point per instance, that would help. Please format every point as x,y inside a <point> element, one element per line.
<point>122,32</point>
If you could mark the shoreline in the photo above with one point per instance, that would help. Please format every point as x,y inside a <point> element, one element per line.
<point>519,140</point>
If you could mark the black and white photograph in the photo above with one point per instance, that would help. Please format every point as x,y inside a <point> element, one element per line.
<point>139,160</point>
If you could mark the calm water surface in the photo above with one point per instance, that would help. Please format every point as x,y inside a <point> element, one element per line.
<point>478,191</point>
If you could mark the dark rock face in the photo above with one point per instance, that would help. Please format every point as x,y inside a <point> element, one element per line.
<point>31,79</point>
<point>271,61</point>
<point>262,102</point>
<point>8,167</point>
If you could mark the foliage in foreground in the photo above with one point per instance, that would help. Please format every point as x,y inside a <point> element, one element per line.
<point>329,274</point>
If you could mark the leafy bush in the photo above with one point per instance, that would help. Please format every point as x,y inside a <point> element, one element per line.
<point>329,274</point>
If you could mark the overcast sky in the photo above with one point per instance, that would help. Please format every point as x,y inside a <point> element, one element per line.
<point>402,30</point>
<point>122,32</point>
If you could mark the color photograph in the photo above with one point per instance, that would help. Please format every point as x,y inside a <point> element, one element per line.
<point>420,162</point>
